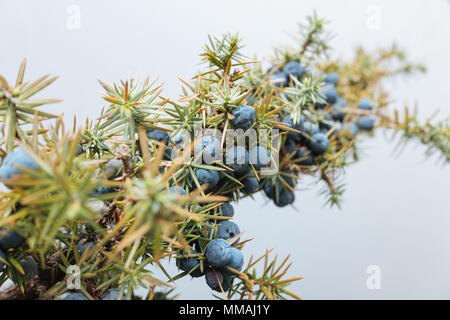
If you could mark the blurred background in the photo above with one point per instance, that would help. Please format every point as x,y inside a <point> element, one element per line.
<point>396,210</point>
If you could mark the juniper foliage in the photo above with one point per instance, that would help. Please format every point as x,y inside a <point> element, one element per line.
<point>107,198</point>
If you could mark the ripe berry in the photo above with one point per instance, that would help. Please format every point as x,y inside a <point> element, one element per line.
<point>11,163</point>
<point>209,146</point>
<point>288,121</point>
<point>294,69</point>
<point>271,189</point>
<point>306,156</point>
<point>319,143</point>
<point>290,146</point>
<point>228,230</point>
<point>244,117</point>
<point>336,113</point>
<point>350,128</point>
<point>158,135</point>
<point>284,198</point>
<point>331,78</point>
<point>365,104</point>
<point>214,277</point>
<point>211,177</point>
<point>289,178</point>
<point>98,191</point>
<point>113,168</point>
<point>310,128</point>
<point>168,154</point>
<point>279,79</point>
<point>83,245</point>
<point>9,240</point>
<point>178,139</point>
<point>218,252</point>
<point>111,294</point>
<point>187,264</point>
<point>177,190</point>
<point>251,185</point>
<point>366,123</point>
<point>237,158</point>
<point>259,157</point>
<point>30,268</point>
<point>237,259</point>
<point>75,296</point>
<point>227,209</point>
<point>80,149</point>
<point>330,94</point>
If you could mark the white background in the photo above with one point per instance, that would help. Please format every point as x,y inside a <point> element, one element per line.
<point>396,211</point>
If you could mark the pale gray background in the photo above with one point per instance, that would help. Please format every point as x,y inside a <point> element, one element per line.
<point>396,212</point>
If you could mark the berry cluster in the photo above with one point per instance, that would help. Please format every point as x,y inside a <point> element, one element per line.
<point>125,191</point>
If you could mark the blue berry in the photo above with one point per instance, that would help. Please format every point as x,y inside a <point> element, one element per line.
<point>177,190</point>
<point>259,157</point>
<point>251,185</point>
<point>351,128</point>
<point>2,264</point>
<point>228,230</point>
<point>113,168</point>
<point>80,149</point>
<point>30,268</point>
<point>187,264</point>
<point>210,146</point>
<point>319,143</point>
<point>214,277</point>
<point>289,177</point>
<point>331,78</point>
<point>271,68</point>
<point>111,294</point>
<point>225,210</point>
<point>178,138</point>
<point>310,128</point>
<point>294,69</point>
<point>9,240</point>
<point>320,105</point>
<point>284,198</point>
<point>330,94</point>
<point>290,146</point>
<point>336,113</point>
<point>218,252</point>
<point>288,121</point>
<point>15,158</point>
<point>211,177</point>
<point>306,156</point>
<point>98,191</point>
<point>158,135</point>
<point>365,104</point>
<point>168,154</point>
<point>75,296</point>
<point>237,259</point>
<point>366,123</point>
<point>271,189</point>
<point>83,245</point>
<point>244,117</point>
<point>279,79</point>
<point>237,158</point>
